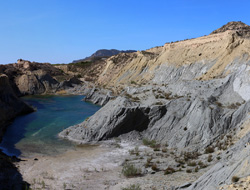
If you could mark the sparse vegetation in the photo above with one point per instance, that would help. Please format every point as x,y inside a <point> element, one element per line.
<point>196,169</point>
<point>235,179</point>
<point>169,170</point>
<point>154,167</point>
<point>134,151</point>
<point>132,187</point>
<point>191,155</point>
<point>130,170</point>
<point>210,158</point>
<point>189,171</point>
<point>209,150</point>
<point>133,82</point>
<point>191,164</point>
<point>150,143</point>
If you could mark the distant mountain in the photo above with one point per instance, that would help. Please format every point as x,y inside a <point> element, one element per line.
<point>103,53</point>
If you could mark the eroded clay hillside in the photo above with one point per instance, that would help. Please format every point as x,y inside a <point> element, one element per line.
<point>191,94</point>
<point>203,58</point>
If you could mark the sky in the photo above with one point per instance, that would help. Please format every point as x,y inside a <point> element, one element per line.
<point>60,31</point>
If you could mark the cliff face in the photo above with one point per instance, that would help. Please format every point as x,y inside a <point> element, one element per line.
<point>36,78</point>
<point>189,94</point>
<point>202,58</point>
<point>10,105</point>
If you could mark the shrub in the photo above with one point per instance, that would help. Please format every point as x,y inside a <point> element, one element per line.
<point>235,179</point>
<point>210,158</point>
<point>219,104</point>
<point>132,187</point>
<point>169,170</point>
<point>189,171</point>
<point>192,164</point>
<point>151,143</point>
<point>209,149</point>
<point>79,76</point>
<point>201,164</point>
<point>129,170</point>
<point>149,159</point>
<point>154,167</point>
<point>182,162</point>
<point>148,164</point>
<point>156,149</point>
<point>191,155</point>
<point>196,169</point>
<point>164,150</point>
<point>134,151</point>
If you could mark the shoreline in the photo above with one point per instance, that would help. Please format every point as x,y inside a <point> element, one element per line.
<point>81,168</point>
<point>98,167</point>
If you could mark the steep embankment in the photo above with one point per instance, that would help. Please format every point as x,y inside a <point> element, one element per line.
<point>37,78</point>
<point>190,94</point>
<point>201,58</point>
<point>10,107</point>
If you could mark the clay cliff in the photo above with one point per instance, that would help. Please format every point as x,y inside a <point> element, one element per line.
<point>191,94</point>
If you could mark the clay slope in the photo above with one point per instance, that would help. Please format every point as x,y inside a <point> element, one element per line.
<point>202,58</point>
<point>190,94</point>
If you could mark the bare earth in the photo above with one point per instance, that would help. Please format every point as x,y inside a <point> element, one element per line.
<point>95,168</point>
<point>92,167</point>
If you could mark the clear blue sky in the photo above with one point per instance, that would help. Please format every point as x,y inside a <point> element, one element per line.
<point>59,31</point>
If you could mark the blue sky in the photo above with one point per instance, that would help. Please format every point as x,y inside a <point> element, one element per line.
<point>59,31</point>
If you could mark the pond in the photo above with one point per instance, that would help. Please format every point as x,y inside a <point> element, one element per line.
<point>36,133</point>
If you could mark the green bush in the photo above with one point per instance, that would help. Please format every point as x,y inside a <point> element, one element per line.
<point>151,143</point>
<point>130,170</point>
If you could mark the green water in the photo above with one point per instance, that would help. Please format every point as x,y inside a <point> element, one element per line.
<point>36,133</point>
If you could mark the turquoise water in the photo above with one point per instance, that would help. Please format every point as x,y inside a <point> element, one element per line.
<point>36,133</point>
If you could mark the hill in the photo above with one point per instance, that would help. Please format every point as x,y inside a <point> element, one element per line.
<point>103,53</point>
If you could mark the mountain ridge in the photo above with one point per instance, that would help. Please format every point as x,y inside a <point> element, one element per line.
<point>103,53</point>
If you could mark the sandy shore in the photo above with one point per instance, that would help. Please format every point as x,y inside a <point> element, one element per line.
<point>97,168</point>
<point>88,167</point>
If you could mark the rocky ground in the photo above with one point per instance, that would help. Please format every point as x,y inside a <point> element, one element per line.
<point>100,167</point>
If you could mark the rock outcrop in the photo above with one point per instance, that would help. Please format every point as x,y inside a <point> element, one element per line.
<point>28,78</point>
<point>10,105</point>
<point>241,28</point>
